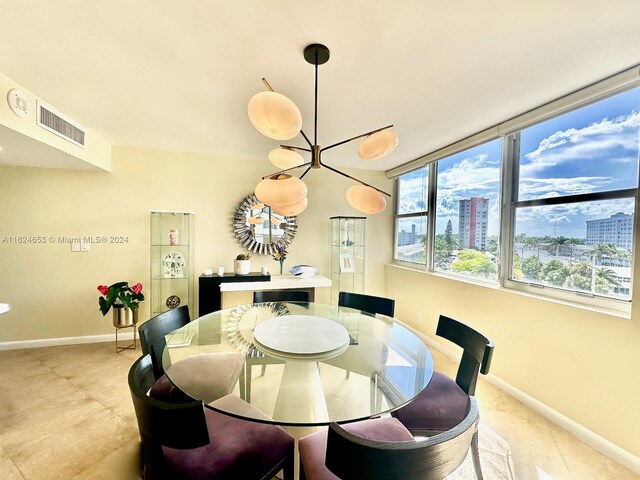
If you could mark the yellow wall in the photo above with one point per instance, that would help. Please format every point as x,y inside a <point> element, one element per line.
<point>52,291</point>
<point>580,363</point>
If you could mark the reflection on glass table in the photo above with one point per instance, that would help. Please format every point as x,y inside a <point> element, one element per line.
<point>354,367</point>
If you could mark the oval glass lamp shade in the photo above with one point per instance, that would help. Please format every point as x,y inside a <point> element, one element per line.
<point>378,145</point>
<point>281,191</point>
<point>291,210</point>
<point>284,158</point>
<point>366,199</point>
<point>274,115</point>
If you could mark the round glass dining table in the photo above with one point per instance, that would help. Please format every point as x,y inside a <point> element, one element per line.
<point>306,364</point>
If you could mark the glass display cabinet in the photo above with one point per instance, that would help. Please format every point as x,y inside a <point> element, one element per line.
<point>347,255</point>
<point>171,261</point>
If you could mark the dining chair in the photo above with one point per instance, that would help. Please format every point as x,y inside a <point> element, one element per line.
<point>187,440</point>
<point>442,403</point>
<point>367,303</point>
<point>280,296</point>
<point>222,369</point>
<point>383,449</point>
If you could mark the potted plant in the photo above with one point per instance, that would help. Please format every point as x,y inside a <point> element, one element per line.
<point>124,300</point>
<point>242,264</point>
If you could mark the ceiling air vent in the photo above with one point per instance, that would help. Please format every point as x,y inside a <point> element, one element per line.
<point>55,122</point>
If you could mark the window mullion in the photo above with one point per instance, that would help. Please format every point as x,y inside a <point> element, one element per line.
<point>431,213</point>
<point>509,195</point>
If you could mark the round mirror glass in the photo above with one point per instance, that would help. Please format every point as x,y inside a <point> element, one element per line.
<point>259,229</point>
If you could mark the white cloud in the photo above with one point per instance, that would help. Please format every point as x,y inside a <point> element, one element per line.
<point>555,187</point>
<point>593,142</point>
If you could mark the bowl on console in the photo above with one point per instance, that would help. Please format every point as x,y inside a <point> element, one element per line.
<point>303,271</point>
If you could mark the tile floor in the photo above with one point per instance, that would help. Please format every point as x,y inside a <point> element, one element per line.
<point>66,413</point>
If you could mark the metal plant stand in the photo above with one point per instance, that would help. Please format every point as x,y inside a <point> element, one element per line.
<point>131,346</point>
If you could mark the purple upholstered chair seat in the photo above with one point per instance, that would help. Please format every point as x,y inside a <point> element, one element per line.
<point>313,447</point>
<point>237,449</point>
<point>166,391</point>
<point>439,407</point>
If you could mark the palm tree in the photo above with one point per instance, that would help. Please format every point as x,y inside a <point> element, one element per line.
<point>607,278</point>
<point>598,252</point>
<point>558,242</point>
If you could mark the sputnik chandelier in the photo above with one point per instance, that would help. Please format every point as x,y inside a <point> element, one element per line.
<point>277,117</point>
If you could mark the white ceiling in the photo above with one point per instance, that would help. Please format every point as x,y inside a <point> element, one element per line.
<point>178,75</point>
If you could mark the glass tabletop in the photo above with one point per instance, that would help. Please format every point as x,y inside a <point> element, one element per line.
<point>300,370</point>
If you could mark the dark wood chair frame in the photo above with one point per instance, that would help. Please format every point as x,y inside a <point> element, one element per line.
<point>173,425</point>
<point>367,303</point>
<point>153,331</point>
<point>476,357</point>
<point>355,458</point>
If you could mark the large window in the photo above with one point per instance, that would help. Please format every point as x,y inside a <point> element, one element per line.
<point>411,216</point>
<point>468,212</point>
<point>574,205</point>
<point>566,225</point>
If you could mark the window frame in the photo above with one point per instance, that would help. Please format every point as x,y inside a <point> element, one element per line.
<point>509,203</point>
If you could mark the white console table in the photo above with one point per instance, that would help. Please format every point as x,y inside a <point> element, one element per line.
<point>277,283</point>
<point>212,286</point>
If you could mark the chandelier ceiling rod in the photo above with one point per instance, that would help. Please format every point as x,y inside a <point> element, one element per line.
<point>312,54</point>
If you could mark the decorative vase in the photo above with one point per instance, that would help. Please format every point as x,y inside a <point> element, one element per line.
<point>281,266</point>
<point>124,317</point>
<point>242,267</point>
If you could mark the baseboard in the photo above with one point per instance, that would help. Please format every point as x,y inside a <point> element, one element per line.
<point>601,444</point>
<point>54,342</point>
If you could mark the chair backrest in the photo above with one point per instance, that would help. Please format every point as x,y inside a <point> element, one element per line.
<point>357,458</point>
<point>476,355</point>
<point>280,296</point>
<point>367,303</point>
<point>175,425</point>
<point>153,331</point>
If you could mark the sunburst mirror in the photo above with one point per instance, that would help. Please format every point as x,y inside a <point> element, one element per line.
<point>259,229</point>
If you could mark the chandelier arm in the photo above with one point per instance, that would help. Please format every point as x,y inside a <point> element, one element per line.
<point>266,84</point>
<point>290,147</point>
<point>356,180</point>
<point>305,172</point>
<point>356,137</point>
<point>288,169</point>
<point>307,139</point>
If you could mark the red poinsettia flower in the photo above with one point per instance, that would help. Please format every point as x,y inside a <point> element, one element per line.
<point>103,289</point>
<point>137,288</point>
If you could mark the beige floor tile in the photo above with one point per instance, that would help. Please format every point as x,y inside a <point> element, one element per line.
<point>73,449</point>
<point>494,467</point>
<point>123,464</point>
<point>585,461</point>
<point>56,414</point>
<point>536,472</point>
<point>530,440</point>
<point>8,469</point>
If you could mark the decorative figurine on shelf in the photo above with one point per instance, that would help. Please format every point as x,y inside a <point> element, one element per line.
<point>280,255</point>
<point>173,237</point>
<point>242,264</point>
<point>347,228</point>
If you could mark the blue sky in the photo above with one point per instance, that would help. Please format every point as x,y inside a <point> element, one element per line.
<point>591,149</point>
